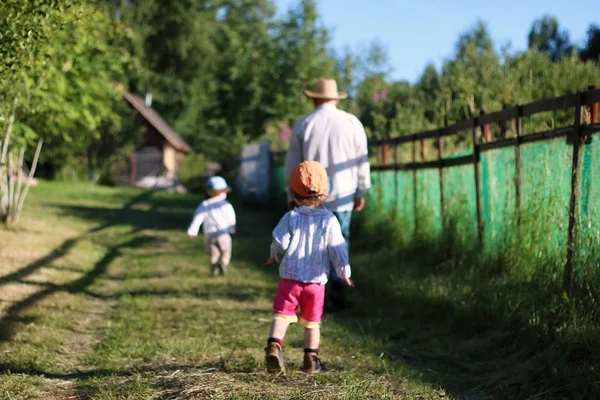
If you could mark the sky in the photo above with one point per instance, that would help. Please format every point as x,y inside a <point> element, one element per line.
<point>422,31</point>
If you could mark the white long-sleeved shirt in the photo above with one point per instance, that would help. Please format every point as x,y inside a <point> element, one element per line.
<point>338,141</point>
<point>216,215</point>
<point>305,242</point>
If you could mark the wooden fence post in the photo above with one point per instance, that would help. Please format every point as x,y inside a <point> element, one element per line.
<point>477,182</point>
<point>594,107</point>
<point>133,169</point>
<point>384,154</point>
<point>518,164</point>
<point>574,198</point>
<point>415,208</point>
<point>441,172</point>
<point>490,190</point>
<point>380,163</point>
<point>396,186</point>
<point>485,129</point>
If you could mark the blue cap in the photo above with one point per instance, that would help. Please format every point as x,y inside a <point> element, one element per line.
<point>216,183</point>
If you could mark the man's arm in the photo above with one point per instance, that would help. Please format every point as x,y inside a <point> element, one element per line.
<point>293,157</point>
<point>364,169</point>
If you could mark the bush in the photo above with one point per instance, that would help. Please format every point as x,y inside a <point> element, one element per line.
<point>192,172</point>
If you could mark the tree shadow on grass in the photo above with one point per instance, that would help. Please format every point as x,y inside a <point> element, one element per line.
<point>79,285</point>
<point>64,248</point>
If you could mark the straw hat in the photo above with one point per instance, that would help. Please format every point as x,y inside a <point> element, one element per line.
<point>326,89</point>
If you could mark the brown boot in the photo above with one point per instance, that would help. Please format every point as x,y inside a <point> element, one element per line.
<point>274,358</point>
<point>312,363</point>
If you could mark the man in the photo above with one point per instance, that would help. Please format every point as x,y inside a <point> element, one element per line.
<point>338,141</point>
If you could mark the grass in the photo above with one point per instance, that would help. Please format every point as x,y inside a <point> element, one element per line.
<point>103,297</point>
<point>496,325</point>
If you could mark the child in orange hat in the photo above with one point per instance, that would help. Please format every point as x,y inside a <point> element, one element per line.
<point>305,243</point>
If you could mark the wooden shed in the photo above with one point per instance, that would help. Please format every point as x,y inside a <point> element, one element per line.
<point>162,150</point>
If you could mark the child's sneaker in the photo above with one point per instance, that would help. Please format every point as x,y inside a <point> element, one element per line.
<point>312,363</point>
<point>274,358</point>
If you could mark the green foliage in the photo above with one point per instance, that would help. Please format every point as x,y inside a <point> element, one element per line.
<point>591,50</point>
<point>64,78</point>
<point>222,71</point>
<point>475,79</point>
<point>227,72</point>
<point>546,36</point>
<point>192,172</point>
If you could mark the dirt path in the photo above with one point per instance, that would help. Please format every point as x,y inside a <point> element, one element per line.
<point>102,296</point>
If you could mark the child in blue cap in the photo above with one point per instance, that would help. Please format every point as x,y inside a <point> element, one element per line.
<point>217,216</point>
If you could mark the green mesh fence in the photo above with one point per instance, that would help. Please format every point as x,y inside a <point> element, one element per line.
<point>545,192</point>
<point>589,227</point>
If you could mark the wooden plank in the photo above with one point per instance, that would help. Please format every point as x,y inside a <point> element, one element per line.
<point>569,100</point>
<point>457,161</point>
<point>415,198</point>
<point>591,129</point>
<point>396,184</point>
<point>441,175</point>
<point>432,134</point>
<point>445,163</point>
<point>133,169</point>
<point>422,165</point>
<point>592,96</point>
<point>475,159</point>
<point>392,141</point>
<point>518,166</point>
<point>458,127</point>
<point>593,107</point>
<point>535,137</point>
<point>558,103</point>
<point>389,167</point>
<point>499,116</point>
<point>498,144</point>
<point>569,274</point>
<point>557,133</point>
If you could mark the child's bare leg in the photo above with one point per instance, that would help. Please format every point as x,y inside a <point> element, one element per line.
<point>224,261</point>
<point>278,329</point>
<point>312,338</point>
<point>215,254</point>
<point>273,351</point>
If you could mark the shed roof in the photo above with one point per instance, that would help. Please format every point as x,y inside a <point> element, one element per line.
<point>157,122</point>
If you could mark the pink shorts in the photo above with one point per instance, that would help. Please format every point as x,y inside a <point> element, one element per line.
<point>310,297</point>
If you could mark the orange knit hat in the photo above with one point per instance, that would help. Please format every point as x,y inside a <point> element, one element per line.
<point>309,179</point>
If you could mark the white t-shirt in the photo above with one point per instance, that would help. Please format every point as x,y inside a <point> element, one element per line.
<point>338,141</point>
<point>216,215</point>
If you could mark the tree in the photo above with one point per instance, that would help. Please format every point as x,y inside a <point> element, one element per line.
<point>301,58</point>
<point>546,36</point>
<point>591,50</point>
<point>428,86</point>
<point>56,83</point>
<point>243,100</point>
<point>470,82</point>
<point>78,103</point>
